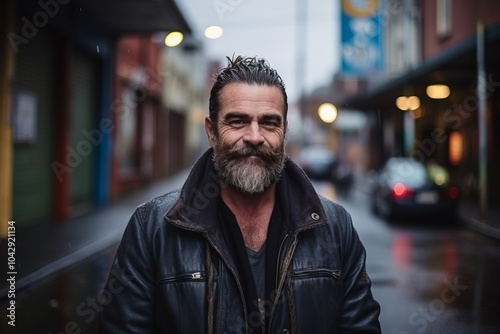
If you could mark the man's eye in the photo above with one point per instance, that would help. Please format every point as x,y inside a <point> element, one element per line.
<point>271,123</point>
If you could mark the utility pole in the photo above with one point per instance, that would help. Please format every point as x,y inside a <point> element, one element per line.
<point>482,122</point>
<point>300,62</point>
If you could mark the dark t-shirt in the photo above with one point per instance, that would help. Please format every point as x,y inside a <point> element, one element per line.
<point>258,264</point>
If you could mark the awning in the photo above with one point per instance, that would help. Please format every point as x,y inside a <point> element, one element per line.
<point>137,16</point>
<point>456,67</point>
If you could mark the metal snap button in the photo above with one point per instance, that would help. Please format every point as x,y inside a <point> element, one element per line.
<point>314,216</point>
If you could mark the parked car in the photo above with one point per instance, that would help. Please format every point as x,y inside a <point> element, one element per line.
<point>406,188</point>
<point>320,163</point>
<point>317,161</point>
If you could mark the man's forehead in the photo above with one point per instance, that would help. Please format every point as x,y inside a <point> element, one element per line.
<point>243,94</point>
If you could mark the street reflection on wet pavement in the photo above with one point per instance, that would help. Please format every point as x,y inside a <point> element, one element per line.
<point>450,277</point>
<point>429,276</point>
<point>68,302</point>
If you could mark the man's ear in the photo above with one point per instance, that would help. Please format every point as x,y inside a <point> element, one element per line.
<point>209,129</point>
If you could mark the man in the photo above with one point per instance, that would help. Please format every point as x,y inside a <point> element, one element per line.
<point>247,246</point>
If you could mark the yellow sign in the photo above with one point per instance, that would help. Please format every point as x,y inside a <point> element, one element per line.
<point>360,8</point>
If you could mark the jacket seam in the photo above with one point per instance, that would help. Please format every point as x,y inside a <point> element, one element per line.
<point>146,241</point>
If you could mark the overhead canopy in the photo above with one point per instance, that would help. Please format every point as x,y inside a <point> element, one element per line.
<point>456,67</point>
<point>137,16</point>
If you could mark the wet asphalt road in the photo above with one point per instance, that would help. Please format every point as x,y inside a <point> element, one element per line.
<point>428,279</point>
<point>429,276</point>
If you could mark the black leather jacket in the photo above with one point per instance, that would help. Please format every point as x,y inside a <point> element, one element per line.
<point>173,272</point>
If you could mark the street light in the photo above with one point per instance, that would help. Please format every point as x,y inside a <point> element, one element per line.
<point>438,91</point>
<point>174,38</point>
<point>327,112</point>
<point>408,102</point>
<point>213,32</point>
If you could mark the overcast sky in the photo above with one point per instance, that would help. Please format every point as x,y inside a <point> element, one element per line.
<point>267,28</point>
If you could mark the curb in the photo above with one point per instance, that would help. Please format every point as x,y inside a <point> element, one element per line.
<point>481,227</point>
<point>62,263</point>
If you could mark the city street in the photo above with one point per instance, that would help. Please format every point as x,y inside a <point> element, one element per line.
<point>395,105</point>
<point>427,278</point>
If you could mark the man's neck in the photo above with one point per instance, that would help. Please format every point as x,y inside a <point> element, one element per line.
<point>248,204</point>
<point>252,212</point>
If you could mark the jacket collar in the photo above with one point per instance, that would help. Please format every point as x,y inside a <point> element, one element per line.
<point>196,208</point>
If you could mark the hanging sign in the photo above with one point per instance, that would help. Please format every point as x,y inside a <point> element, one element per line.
<point>361,38</point>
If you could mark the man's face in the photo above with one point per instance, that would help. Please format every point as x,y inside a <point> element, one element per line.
<point>249,146</point>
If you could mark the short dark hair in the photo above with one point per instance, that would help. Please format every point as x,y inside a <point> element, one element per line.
<point>248,70</point>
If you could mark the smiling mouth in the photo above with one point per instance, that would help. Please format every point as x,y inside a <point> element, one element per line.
<point>252,157</point>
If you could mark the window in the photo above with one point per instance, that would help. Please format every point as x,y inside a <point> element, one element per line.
<point>456,147</point>
<point>443,18</point>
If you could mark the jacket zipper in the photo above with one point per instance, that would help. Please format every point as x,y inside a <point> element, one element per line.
<point>278,259</point>
<point>286,263</point>
<point>277,280</point>
<point>185,277</point>
<point>306,273</point>
<point>238,283</point>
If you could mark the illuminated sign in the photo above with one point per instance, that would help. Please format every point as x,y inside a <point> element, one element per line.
<point>361,39</point>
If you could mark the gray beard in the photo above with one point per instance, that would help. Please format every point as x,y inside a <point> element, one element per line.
<point>249,175</point>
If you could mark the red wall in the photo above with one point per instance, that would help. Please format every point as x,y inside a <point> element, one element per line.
<point>133,52</point>
<point>465,14</point>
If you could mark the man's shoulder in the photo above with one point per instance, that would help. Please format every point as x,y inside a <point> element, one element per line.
<point>157,207</point>
<point>335,212</point>
<point>332,207</point>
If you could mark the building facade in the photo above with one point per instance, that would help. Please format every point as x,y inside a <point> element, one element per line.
<point>60,130</point>
<point>458,45</point>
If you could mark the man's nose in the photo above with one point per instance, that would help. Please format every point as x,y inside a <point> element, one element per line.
<point>253,134</point>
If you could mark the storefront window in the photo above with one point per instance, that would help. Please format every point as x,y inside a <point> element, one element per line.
<point>127,135</point>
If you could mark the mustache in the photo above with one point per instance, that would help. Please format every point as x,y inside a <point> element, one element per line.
<point>246,150</point>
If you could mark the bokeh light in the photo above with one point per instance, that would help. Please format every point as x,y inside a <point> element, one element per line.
<point>327,112</point>
<point>213,32</point>
<point>174,38</point>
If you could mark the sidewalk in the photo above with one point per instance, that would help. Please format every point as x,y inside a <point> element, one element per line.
<point>490,226</point>
<point>43,251</point>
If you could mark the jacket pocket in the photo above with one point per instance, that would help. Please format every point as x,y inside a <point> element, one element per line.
<point>316,272</point>
<point>182,303</point>
<point>187,277</point>
<point>318,299</point>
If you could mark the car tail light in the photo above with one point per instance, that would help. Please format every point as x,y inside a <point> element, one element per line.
<point>400,191</point>
<point>451,192</point>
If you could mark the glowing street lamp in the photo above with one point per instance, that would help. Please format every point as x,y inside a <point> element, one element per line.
<point>327,112</point>
<point>174,38</point>
<point>413,102</point>
<point>438,91</point>
<point>408,102</point>
<point>213,32</point>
